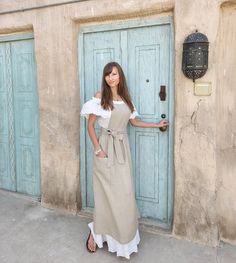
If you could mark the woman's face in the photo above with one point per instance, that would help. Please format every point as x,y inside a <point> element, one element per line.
<point>113,78</point>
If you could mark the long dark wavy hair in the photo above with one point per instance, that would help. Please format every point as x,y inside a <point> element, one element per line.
<point>123,92</point>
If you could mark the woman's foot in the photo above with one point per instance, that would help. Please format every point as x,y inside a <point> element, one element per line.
<point>91,244</point>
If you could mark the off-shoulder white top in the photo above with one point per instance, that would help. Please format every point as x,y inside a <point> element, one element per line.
<point>93,106</point>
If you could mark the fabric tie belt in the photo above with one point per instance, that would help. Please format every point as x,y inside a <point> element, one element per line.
<point>115,143</point>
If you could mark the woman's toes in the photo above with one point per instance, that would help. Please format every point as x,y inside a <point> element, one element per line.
<point>92,245</point>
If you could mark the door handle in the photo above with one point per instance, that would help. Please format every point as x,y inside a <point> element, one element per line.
<point>163,128</point>
<point>162,93</point>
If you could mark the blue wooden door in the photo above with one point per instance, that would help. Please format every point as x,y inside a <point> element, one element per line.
<point>144,52</point>
<point>148,70</point>
<point>96,54</point>
<point>20,129</point>
<point>7,152</point>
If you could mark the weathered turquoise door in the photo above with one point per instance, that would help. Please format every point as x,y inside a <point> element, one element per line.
<point>97,52</point>
<point>144,50</point>
<point>148,70</point>
<point>19,129</point>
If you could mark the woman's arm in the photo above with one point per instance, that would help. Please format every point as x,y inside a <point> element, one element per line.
<point>92,134</point>
<point>142,124</point>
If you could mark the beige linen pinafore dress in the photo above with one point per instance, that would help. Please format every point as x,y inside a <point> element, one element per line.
<point>115,210</point>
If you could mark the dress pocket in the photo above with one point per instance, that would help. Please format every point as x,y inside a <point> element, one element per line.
<point>101,170</point>
<point>100,164</point>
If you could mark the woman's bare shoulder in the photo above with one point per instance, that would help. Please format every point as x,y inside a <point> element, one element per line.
<point>98,95</point>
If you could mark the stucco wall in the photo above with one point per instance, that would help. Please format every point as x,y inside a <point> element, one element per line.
<point>226,125</point>
<point>199,141</point>
<point>195,134</point>
<point>205,128</point>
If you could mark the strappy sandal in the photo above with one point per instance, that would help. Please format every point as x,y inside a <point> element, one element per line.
<point>89,250</point>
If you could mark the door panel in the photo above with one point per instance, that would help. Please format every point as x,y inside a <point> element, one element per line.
<point>148,50</point>
<point>99,49</point>
<point>144,54</point>
<point>19,129</point>
<point>26,117</point>
<point>7,157</point>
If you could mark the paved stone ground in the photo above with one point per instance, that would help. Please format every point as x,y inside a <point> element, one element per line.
<point>33,234</point>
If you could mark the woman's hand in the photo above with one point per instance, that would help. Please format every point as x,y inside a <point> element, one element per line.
<point>101,154</point>
<point>162,123</point>
<point>143,124</point>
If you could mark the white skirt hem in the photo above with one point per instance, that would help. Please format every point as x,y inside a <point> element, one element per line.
<point>122,250</point>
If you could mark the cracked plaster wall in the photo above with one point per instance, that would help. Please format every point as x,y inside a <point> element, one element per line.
<point>226,126</point>
<point>195,134</point>
<point>205,155</point>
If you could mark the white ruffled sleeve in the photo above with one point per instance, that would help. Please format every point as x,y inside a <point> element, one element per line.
<point>134,113</point>
<point>93,106</point>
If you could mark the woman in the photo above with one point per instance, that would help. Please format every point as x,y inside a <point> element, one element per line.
<point>115,211</point>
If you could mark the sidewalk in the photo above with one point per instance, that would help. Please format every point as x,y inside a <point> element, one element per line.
<point>32,234</point>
